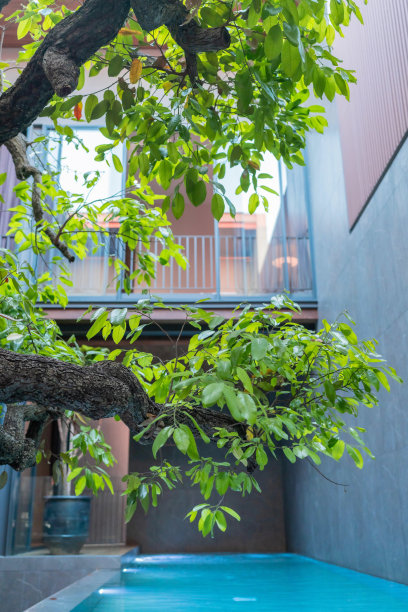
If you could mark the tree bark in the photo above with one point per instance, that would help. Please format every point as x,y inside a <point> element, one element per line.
<point>98,391</point>
<point>67,46</point>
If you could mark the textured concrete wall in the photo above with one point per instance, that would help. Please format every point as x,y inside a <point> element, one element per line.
<point>363,526</point>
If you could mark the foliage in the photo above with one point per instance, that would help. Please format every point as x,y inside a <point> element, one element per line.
<point>290,391</point>
<point>279,388</point>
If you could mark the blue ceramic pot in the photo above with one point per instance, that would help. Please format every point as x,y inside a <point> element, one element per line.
<point>66,523</point>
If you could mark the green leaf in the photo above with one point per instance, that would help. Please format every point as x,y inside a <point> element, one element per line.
<point>90,104</point>
<point>23,28</point>
<point>259,348</point>
<point>224,368</point>
<point>383,379</point>
<point>212,393</point>
<point>289,454</point>
<point>118,316</point>
<point>115,65</point>
<point>80,485</point>
<point>244,378</point>
<point>336,12</point>
<point>244,89</point>
<point>97,326</point>
<point>165,173</point>
<point>109,483</point>
<point>222,482</point>
<point>292,33</point>
<point>347,331</point>
<point>216,321</point>
<point>196,190</point>
<point>203,435</point>
<point>117,163</point>
<point>177,205</point>
<point>355,455</point>
<point>337,450</point>
<point>220,520</point>
<point>181,440</point>
<point>273,42</point>
<point>247,407</point>
<point>261,457</point>
<point>330,391</point>
<point>231,512</point>
<point>74,473</point>
<point>161,439</point>
<point>232,403</point>
<point>211,17</point>
<point>192,451</point>
<point>99,110</point>
<point>253,203</point>
<point>118,332</point>
<point>130,510</point>
<point>290,59</point>
<point>217,206</point>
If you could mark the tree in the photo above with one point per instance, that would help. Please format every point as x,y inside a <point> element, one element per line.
<point>195,89</point>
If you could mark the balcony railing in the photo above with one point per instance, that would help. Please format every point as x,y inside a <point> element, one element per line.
<point>221,267</point>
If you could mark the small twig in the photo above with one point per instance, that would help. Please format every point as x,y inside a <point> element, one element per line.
<point>339,484</point>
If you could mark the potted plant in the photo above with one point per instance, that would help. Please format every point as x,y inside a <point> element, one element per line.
<point>67,510</point>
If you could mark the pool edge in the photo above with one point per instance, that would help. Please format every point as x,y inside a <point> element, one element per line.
<point>71,596</point>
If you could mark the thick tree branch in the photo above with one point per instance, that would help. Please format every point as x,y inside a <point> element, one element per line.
<point>186,32</point>
<point>54,66</point>
<point>17,147</point>
<point>61,71</point>
<point>98,391</point>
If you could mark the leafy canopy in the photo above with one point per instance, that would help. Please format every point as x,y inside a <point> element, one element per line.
<point>284,390</point>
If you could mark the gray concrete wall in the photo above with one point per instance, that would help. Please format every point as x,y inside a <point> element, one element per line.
<point>164,529</point>
<point>363,526</point>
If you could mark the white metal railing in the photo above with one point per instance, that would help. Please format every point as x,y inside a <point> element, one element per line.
<point>222,267</point>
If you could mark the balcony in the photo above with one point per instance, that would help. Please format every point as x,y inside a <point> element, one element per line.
<point>223,268</point>
<point>245,257</point>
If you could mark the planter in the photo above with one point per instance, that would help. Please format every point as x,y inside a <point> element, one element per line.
<point>66,523</point>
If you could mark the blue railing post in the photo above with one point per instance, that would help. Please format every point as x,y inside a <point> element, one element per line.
<point>283,225</point>
<point>217,262</point>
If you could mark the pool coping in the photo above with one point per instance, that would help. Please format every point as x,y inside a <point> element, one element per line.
<point>67,599</point>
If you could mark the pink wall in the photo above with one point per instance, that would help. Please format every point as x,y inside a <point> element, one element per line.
<point>375,121</point>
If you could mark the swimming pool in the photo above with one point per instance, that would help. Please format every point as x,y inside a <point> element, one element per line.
<point>275,582</point>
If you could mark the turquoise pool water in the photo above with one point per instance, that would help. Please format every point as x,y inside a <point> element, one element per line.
<point>276,583</point>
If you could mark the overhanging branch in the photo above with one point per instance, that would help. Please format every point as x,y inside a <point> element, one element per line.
<point>98,391</point>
